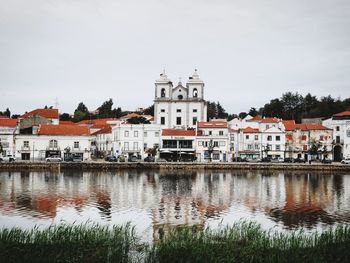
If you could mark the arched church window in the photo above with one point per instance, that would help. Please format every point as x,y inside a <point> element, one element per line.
<point>180,97</point>
<point>162,93</point>
<point>195,93</point>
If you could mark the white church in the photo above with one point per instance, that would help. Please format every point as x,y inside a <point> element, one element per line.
<point>179,107</point>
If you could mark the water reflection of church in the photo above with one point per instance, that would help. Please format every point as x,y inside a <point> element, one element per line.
<point>174,199</point>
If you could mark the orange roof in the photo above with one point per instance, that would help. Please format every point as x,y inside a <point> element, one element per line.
<point>63,129</point>
<point>105,130</point>
<point>289,125</point>
<point>130,115</point>
<point>212,124</point>
<point>176,132</point>
<point>97,121</point>
<point>341,114</point>
<point>46,113</point>
<point>250,130</point>
<point>8,122</point>
<point>269,120</point>
<point>67,122</point>
<point>256,118</point>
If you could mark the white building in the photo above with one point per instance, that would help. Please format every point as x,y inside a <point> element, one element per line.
<point>178,145</point>
<point>8,128</point>
<point>180,106</point>
<point>50,140</point>
<point>340,124</point>
<point>273,142</point>
<point>135,139</point>
<point>212,141</point>
<point>103,141</point>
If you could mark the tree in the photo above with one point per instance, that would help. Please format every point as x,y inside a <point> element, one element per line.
<point>221,112</point>
<point>211,110</point>
<point>242,115</point>
<point>117,112</point>
<point>81,112</point>
<point>253,112</point>
<point>105,110</point>
<point>149,110</point>
<point>138,120</point>
<point>65,117</point>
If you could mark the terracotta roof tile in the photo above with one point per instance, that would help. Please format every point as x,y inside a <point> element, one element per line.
<point>68,122</point>
<point>8,122</point>
<point>176,132</point>
<point>250,130</point>
<point>256,118</point>
<point>105,130</point>
<point>46,113</point>
<point>63,129</point>
<point>212,124</point>
<point>289,125</point>
<point>270,120</point>
<point>341,114</point>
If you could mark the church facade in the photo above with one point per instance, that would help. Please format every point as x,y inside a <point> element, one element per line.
<point>179,106</point>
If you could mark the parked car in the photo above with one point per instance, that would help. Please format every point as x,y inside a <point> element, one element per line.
<point>288,160</point>
<point>73,158</point>
<point>345,161</point>
<point>299,160</point>
<point>266,160</point>
<point>121,158</point>
<point>111,158</point>
<point>326,160</point>
<point>277,160</point>
<point>240,159</point>
<point>133,159</point>
<point>54,158</point>
<point>8,158</point>
<point>149,158</point>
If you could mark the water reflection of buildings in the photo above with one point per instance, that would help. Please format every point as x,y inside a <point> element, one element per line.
<point>175,199</point>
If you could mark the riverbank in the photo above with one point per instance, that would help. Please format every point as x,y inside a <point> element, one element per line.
<point>106,166</point>
<point>242,242</point>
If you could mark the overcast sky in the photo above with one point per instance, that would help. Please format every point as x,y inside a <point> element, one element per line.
<point>247,52</point>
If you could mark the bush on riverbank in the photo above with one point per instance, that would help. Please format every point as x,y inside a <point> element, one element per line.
<point>243,242</point>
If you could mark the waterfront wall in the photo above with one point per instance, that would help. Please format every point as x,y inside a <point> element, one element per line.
<point>104,166</point>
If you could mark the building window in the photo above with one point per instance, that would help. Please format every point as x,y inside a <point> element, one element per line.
<point>76,145</point>
<point>216,156</point>
<point>162,93</point>
<point>162,120</point>
<point>195,93</point>
<point>180,97</point>
<point>337,128</point>
<point>256,137</point>
<point>200,143</point>
<point>136,134</point>
<point>216,144</point>
<point>52,143</point>
<point>303,137</point>
<point>26,144</point>
<point>126,133</point>
<point>162,110</point>
<point>136,146</point>
<point>178,120</point>
<point>278,147</point>
<point>194,110</point>
<point>347,133</point>
<point>210,132</point>
<point>250,147</point>
<point>305,147</point>
<point>221,132</point>
<point>144,134</point>
<point>321,137</point>
<point>156,134</point>
<point>337,139</point>
<point>145,146</point>
<point>278,138</point>
<point>269,138</point>
<point>222,143</point>
<point>126,146</point>
<point>178,110</point>
<point>247,137</point>
<point>232,137</point>
<point>194,120</point>
<point>267,126</point>
<point>256,146</point>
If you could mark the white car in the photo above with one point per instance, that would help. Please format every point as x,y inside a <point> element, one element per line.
<point>8,158</point>
<point>54,159</point>
<point>345,161</point>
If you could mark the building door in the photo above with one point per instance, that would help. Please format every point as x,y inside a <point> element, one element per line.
<point>338,155</point>
<point>25,156</point>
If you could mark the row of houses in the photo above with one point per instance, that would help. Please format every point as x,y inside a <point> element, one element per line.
<point>39,134</point>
